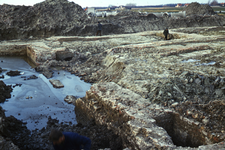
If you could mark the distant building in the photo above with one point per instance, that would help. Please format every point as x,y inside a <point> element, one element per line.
<point>120,8</point>
<point>178,5</point>
<point>185,5</point>
<point>90,10</point>
<point>222,4</point>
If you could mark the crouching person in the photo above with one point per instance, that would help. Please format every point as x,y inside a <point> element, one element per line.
<point>69,141</point>
<point>166,33</point>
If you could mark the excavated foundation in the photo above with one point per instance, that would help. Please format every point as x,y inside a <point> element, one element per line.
<point>20,50</point>
<point>117,115</point>
<point>183,131</point>
<point>143,91</point>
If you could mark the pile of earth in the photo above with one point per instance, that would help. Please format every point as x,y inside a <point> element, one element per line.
<point>198,9</point>
<point>51,17</point>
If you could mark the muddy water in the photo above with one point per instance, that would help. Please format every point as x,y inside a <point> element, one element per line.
<point>34,100</point>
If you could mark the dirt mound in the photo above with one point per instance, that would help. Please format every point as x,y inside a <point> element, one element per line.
<point>58,13</point>
<point>198,9</point>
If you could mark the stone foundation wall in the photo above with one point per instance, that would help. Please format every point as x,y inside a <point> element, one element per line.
<point>13,50</point>
<point>140,125</point>
<point>110,104</point>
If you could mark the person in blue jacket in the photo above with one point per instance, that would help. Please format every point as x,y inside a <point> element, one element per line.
<point>69,141</point>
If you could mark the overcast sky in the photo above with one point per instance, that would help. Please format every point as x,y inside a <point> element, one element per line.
<point>106,3</point>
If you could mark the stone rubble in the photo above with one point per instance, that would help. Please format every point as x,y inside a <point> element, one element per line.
<point>70,99</point>
<point>56,83</point>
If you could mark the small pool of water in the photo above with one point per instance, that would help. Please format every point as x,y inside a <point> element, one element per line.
<point>207,64</point>
<point>197,62</point>
<point>36,99</point>
<point>190,60</point>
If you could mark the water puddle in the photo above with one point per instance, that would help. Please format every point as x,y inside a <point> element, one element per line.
<point>190,60</point>
<point>34,100</point>
<point>207,64</point>
<point>198,62</point>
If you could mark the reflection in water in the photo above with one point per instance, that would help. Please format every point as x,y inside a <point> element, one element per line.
<point>36,99</point>
<point>190,60</point>
<point>78,88</point>
<point>198,62</point>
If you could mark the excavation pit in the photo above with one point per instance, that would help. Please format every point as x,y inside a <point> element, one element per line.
<point>35,99</point>
<point>24,51</point>
<point>183,131</point>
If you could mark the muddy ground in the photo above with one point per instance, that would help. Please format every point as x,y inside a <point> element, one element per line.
<point>148,93</point>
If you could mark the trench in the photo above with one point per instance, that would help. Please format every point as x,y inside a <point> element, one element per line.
<point>183,132</point>
<point>34,100</point>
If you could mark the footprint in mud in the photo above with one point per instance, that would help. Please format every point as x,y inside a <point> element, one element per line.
<point>78,88</point>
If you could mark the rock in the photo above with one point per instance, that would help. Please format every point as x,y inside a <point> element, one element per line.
<point>197,81</point>
<point>195,116</point>
<point>5,91</point>
<point>7,144</point>
<point>70,99</point>
<point>216,82</point>
<point>175,104</point>
<point>219,92</point>
<point>56,83</point>
<point>13,73</point>
<point>48,74</point>
<point>205,121</point>
<point>64,54</point>
<point>32,77</point>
